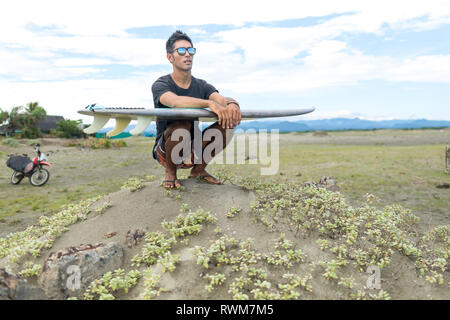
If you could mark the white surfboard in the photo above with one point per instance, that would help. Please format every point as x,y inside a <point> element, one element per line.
<point>144,117</point>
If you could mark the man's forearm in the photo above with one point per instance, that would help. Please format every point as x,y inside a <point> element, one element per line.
<point>229,101</point>
<point>224,101</point>
<point>190,102</point>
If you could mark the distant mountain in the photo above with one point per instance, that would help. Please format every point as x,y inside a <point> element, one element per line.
<point>341,124</point>
<point>322,125</point>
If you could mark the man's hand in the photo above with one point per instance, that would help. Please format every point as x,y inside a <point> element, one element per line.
<point>235,114</point>
<point>228,118</point>
<point>223,115</point>
<point>230,115</point>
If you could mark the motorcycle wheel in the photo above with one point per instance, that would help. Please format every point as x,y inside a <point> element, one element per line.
<point>16,177</point>
<point>39,177</point>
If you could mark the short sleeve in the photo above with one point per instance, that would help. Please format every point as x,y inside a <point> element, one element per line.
<point>208,89</point>
<point>159,87</point>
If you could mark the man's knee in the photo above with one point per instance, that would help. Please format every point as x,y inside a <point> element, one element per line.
<point>183,126</point>
<point>216,130</point>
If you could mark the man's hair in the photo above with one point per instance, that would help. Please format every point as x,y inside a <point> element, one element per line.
<point>177,35</point>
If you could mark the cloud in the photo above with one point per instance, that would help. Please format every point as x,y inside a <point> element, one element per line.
<point>76,62</point>
<point>51,51</point>
<point>434,68</point>
<point>67,97</point>
<point>332,63</point>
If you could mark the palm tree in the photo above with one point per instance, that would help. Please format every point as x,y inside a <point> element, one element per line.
<point>14,118</point>
<point>4,115</point>
<point>33,114</point>
<point>26,121</point>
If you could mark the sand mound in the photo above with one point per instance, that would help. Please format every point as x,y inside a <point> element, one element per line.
<point>150,206</point>
<point>218,262</point>
<point>147,208</point>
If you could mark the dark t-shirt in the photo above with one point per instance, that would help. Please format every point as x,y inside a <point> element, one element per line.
<point>198,89</point>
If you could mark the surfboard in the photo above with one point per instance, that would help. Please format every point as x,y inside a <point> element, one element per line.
<point>144,117</point>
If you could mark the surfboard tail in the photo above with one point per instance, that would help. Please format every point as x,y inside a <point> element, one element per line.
<point>143,123</point>
<point>123,117</point>
<point>121,124</point>
<point>99,122</point>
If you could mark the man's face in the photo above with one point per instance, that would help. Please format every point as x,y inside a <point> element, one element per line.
<point>181,62</point>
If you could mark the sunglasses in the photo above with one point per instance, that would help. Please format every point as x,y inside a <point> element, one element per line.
<point>182,51</point>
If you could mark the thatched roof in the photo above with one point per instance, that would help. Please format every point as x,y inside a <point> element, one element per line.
<point>49,123</point>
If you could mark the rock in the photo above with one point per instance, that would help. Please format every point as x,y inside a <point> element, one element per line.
<point>110,234</point>
<point>324,182</point>
<point>13,287</point>
<point>327,181</point>
<point>309,184</point>
<point>133,237</point>
<point>68,272</point>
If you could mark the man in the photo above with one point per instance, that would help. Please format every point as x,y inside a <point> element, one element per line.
<point>181,90</point>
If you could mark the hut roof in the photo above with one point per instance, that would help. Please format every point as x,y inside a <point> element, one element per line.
<point>49,123</point>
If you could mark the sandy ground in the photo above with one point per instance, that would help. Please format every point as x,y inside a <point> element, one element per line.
<point>149,207</point>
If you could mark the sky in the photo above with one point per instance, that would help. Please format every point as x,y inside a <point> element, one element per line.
<point>368,59</point>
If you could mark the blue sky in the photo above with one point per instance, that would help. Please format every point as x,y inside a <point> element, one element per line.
<point>373,60</point>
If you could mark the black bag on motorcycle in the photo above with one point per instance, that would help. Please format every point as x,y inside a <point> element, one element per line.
<point>20,163</point>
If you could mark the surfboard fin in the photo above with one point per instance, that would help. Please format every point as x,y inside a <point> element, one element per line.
<point>143,123</point>
<point>121,124</point>
<point>99,122</point>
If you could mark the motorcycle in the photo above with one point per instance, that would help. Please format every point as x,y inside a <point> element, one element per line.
<point>34,169</point>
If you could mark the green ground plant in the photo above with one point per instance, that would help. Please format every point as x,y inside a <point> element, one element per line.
<point>10,142</point>
<point>363,236</point>
<point>133,184</point>
<point>151,282</point>
<point>111,282</point>
<point>215,279</point>
<point>191,223</point>
<point>232,212</point>
<point>30,269</point>
<point>156,249</point>
<point>156,245</point>
<point>101,209</point>
<point>169,261</point>
<point>250,269</point>
<point>94,143</point>
<point>30,242</point>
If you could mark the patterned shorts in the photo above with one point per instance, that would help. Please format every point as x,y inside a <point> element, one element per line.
<point>160,156</point>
